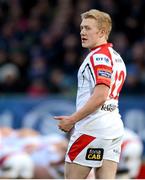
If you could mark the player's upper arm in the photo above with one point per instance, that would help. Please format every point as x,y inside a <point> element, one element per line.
<point>101,91</point>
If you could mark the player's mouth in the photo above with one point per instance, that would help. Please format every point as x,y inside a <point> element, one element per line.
<point>83,39</point>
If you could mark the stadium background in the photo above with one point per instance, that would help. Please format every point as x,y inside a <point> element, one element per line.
<point>40,53</point>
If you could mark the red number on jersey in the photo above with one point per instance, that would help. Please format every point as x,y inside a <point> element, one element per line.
<point>117,86</point>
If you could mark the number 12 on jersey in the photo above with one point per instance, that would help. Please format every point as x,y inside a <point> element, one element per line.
<point>117,86</point>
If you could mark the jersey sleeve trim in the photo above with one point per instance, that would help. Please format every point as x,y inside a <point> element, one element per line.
<point>107,83</point>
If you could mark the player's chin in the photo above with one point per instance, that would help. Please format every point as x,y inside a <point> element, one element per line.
<point>84,45</point>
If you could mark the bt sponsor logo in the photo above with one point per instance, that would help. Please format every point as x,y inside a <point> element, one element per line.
<point>102,59</point>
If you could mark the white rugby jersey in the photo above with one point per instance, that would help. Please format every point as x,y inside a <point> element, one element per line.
<point>103,65</point>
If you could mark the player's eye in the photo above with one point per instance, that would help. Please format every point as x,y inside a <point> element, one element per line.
<point>81,27</point>
<point>87,28</point>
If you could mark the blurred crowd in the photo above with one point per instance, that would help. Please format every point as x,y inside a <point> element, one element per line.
<point>40,49</point>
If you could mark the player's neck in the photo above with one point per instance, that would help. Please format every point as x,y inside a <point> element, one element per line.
<point>99,44</point>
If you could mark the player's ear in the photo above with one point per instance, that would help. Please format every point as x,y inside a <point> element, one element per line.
<point>102,33</point>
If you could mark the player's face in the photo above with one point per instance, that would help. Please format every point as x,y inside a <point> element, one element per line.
<point>89,33</point>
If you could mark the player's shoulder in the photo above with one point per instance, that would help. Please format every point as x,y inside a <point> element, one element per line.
<point>102,55</point>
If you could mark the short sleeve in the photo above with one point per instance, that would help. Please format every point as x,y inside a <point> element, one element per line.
<point>101,66</point>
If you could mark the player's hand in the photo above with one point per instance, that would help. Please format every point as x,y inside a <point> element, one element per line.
<point>65,123</point>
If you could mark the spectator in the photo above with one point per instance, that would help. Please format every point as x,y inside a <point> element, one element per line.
<point>49,29</point>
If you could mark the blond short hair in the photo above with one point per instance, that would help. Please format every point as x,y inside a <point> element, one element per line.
<point>103,20</point>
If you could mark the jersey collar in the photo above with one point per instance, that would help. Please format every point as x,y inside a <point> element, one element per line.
<point>102,45</point>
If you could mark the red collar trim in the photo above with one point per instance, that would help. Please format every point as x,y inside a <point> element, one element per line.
<point>106,44</point>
